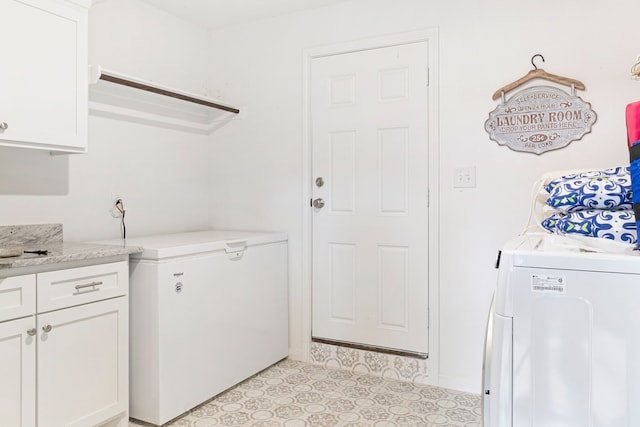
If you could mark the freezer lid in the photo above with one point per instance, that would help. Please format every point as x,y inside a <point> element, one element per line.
<point>159,247</point>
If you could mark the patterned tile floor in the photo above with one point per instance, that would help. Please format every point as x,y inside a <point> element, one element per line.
<point>298,394</point>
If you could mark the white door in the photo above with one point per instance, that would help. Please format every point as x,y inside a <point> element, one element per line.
<point>18,372</point>
<point>370,239</point>
<point>83,364</point>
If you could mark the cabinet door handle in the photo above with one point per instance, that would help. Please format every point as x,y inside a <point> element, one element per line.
<point>31,332</point>
<point>47,328</point>
<point>4,125</point>
<point>88,285</point>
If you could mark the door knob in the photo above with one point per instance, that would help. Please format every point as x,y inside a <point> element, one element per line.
<point>3,125</point>
<point>47,328</point>
<point>318,203</point>
<point>31,332</point>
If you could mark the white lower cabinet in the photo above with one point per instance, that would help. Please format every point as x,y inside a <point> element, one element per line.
<point>81,381</point>
<point>68,366</point>
<point>17,370</point>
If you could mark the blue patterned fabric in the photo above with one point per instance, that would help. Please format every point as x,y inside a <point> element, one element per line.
<point>610,192</point>
<point>635,179</point>
<point>634,170</point>
<point>615,225</point>
<point>620,170</point>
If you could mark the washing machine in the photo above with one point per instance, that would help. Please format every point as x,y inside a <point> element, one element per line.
<point>563,337</point>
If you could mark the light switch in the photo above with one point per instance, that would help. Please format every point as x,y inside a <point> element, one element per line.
<point>465,177</point>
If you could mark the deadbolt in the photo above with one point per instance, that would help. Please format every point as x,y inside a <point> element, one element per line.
<point>318,203</point>
<point>319,181</point>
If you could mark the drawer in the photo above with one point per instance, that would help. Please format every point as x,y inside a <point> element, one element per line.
<point>17,297</point>
<point>75,286</point>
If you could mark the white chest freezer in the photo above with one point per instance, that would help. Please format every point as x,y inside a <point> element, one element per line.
<point>208,310</point>
<point>563,337</point>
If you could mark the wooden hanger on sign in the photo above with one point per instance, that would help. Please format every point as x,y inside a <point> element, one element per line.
<point>635,70</point>
<point>538,73</point>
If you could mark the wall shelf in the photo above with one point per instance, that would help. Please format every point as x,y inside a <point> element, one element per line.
<point>116,95</point>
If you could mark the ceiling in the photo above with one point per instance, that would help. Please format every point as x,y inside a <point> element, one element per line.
<point>218,13</point>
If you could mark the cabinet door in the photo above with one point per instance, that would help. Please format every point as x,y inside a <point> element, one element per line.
<point>43,78</point>
<point>83,364</point>
<point>17,373</point>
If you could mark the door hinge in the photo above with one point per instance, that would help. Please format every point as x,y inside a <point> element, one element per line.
<point>311,202</point>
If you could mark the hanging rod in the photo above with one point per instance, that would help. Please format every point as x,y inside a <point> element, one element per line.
<point>97,73</point>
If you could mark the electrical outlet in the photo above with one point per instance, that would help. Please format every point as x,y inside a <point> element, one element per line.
<point>465,177</point>
<point>112,209</point>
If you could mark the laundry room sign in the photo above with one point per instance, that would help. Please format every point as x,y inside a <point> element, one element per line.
<point>540,119</point>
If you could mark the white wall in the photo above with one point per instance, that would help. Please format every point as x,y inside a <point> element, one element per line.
<point>162,174</point>
<point>256,179</point>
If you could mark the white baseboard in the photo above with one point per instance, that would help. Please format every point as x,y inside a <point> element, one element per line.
<point>296,354</point>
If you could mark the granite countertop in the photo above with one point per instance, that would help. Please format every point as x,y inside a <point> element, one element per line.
<point>67,251</point>
<point>48,237</point>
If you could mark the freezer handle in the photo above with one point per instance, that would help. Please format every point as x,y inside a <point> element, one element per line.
<point>235,249</point>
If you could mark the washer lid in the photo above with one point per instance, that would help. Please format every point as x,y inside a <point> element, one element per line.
<point>173,245</point>
<point>543,250</point>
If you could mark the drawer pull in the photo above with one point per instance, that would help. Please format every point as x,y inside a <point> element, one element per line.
<point>88,285</point>
<point>31,332</point>
<point>47,328</point>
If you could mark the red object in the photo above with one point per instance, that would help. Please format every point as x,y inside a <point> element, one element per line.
<point>633,123</point>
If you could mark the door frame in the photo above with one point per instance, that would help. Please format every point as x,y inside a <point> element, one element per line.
<point>430,36</point>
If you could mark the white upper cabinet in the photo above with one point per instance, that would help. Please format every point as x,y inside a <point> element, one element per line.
<point>43,74</point>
